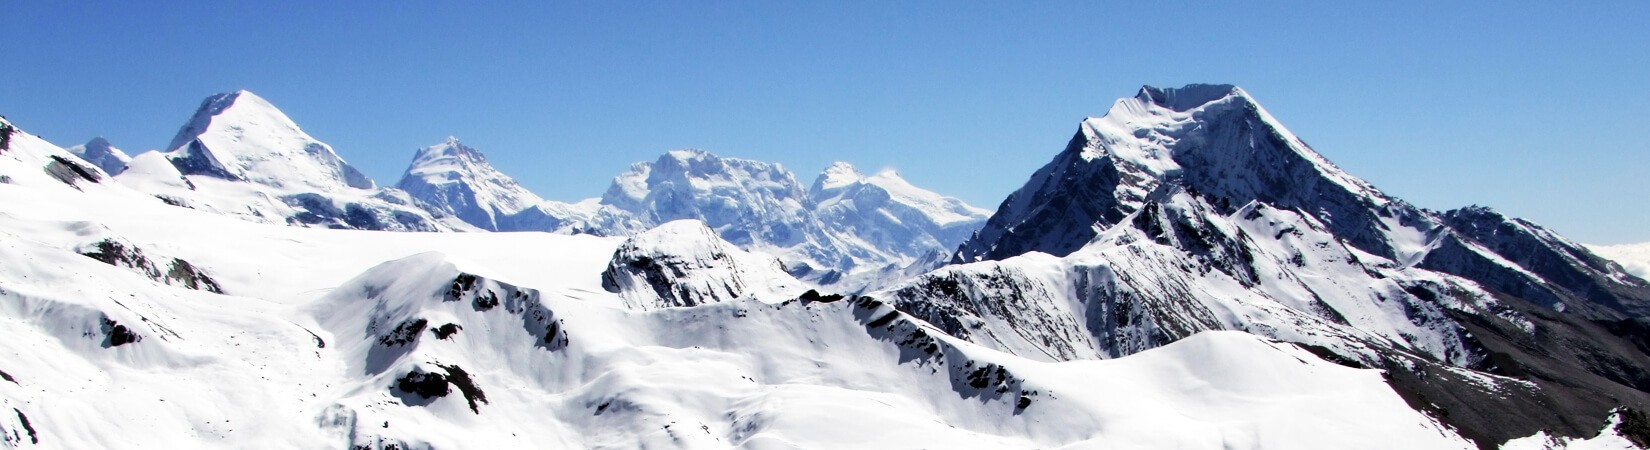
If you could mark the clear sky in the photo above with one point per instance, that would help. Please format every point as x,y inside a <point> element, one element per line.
<point>1540,109</point>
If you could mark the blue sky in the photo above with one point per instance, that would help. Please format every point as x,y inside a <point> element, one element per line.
<point>1536,108</point>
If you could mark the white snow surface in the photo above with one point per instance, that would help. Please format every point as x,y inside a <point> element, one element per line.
<point>454,179</point>
<point>692,265</point>
<point>891,213</point>
<point>303,352</point>
<point>849,231</point>
<point>242,157</point>
<point>1607,439</point>
<point>241,136</point>
<point>1635,258</point>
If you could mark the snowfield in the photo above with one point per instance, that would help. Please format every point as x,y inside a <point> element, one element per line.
<point>332,338</point>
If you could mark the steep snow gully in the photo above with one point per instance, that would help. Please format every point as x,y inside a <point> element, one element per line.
<point>1186,273</point>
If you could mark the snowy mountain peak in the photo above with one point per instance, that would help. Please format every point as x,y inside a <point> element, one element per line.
<point>98,142</point>
<point>1186,98</point>
<point>682,183</point>
<point>838,175</point>
<point>684,263</point>
<point>445,155</point>
<point>240,136</point>
<point>455,179</point>
<point>1214,139</point>
<point>104,155</point>
<point>870,224</point>
<point>218,104</point>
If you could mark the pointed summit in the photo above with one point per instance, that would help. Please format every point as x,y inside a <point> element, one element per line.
<point>1213,139</point>
<point>240,136</point>
<point>839,175</point>
<point>457,180</point>
<point>100,153</point>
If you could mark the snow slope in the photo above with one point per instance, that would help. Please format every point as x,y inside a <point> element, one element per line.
<point>240,136</point>
<point>332,338</point>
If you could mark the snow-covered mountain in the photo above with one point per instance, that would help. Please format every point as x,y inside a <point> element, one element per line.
<point>240,136</point>
<point>684,263</point>
<point>1187,274</point>
<point>1192,209</point>
<point>239,155</point>
<point>1215,140</point>
<point>102,154</point>
<point>371,339</point>
<point>848,231</point>
<point>888,213</point>
<point>453,179</point>
<point>755,205</point>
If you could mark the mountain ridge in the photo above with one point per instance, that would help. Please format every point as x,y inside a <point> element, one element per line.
<point>1190,209</point>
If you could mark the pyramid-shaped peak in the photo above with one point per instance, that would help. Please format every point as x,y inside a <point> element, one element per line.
<point>1188,97</point>
<point>104,155</point>
<point>240,136</point>
<point>838,174</point>
<point>246,109</point>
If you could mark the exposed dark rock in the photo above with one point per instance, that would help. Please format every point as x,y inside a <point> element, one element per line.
<point>429,385</point>
<point>1326,354</point>
<point>197,160</point>
<point>461,379</point>
<point>461,284</point>
<point>6,130</point>
<point>70,172</point>
<point>404,333</point>
<point>486,294</point>
<point>446,331</point>
<point>172,201</point>
<point>968,378</point>
<point>192,278</point>
<point>1573,374</point>
<point>319,343</point>
<point>115,334</point>
<point>1635,426</point>
<point>24,419</point>
<point>425,384</point>
<point>319,209</point>
<point>815,296</point>
<point>178,272</point>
